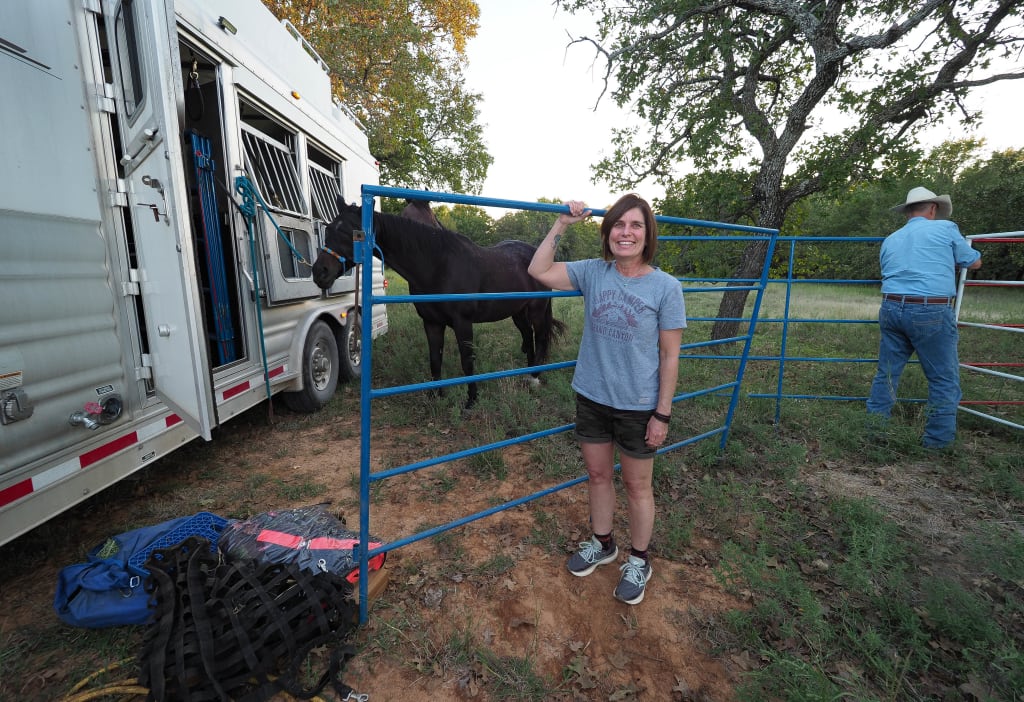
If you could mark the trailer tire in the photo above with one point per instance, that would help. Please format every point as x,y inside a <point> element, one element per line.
<point>320,367</point>
<point>350,347</point>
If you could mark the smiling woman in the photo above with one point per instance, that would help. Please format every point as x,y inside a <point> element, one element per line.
<point>625,376</point>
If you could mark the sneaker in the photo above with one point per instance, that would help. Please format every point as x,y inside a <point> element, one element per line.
<point>635,574</point>
<point>590,556</point>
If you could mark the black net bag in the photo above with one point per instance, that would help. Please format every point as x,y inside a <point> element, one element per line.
<point>243,630</point>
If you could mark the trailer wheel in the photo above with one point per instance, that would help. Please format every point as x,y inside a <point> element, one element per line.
<point>350,347</point>
<point>319,371</point>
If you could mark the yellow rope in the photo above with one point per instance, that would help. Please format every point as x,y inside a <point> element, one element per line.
<point>127,687</point>
<point>121,687</point>
<point>101,671</point>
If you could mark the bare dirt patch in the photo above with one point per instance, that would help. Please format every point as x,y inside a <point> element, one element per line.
<point>485,586</point>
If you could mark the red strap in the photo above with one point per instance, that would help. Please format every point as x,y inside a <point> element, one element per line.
<point>279,538</point>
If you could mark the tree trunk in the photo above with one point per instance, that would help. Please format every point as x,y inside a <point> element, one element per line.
<point>731,308</point>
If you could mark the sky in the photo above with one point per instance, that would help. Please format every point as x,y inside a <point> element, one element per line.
<point>538,106</point>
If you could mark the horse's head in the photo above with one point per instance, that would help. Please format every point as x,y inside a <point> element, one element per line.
<point>336,258</point>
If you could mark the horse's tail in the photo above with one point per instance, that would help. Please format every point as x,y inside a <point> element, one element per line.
<point>555,327</point>
<point>558,328</point>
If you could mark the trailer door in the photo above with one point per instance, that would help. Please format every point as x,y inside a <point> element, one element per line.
<point>146,73</point>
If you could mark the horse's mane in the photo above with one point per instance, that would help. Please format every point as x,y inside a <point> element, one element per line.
<point>417,236</point>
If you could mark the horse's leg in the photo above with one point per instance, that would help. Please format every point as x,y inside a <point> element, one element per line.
<point>522,322</point>
<point>435,347</point>
<point>464,337</point>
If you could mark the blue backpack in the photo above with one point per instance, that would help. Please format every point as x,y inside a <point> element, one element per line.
<point>107,590</point>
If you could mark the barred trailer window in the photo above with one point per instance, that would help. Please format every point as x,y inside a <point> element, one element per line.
<point>270,160</point>
<point>324,184</point>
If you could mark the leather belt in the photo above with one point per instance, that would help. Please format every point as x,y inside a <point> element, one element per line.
<point>917,299</point>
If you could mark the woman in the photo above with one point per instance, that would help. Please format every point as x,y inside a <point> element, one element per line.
<point>625,375</point>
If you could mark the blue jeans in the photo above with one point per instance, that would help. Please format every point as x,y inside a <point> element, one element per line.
<point>931,331</point>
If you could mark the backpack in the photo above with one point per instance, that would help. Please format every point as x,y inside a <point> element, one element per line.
<point>107,590</point>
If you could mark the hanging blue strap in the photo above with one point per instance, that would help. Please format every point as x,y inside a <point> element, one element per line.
<point>244,187</point>
<point>216,269</point>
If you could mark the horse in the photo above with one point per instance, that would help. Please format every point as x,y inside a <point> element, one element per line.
<point>440,261</point>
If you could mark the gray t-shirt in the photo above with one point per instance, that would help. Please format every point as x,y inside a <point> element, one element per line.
<point>618,358</point>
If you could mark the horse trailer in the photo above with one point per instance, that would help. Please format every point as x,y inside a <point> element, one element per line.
<point>169,167</point>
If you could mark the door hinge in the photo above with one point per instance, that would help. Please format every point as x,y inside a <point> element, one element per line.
<point>145,371</point>
<point>119,193</point>
<point>131,286</point>
<point>105,99</point>
<point>93,6</point>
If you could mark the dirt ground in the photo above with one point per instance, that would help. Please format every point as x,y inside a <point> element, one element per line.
<point>568,628</point>
<point>442,590</point>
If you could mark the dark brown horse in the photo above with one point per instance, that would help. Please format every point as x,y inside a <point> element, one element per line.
<point>440,261</point>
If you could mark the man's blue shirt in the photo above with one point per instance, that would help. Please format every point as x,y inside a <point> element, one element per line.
<point>921,258</point>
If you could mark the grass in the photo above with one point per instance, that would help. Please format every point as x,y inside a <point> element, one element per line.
<point>853,593</point>
<point>848,601</point>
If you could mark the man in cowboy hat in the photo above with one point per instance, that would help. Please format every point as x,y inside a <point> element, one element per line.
<point>919,264</point>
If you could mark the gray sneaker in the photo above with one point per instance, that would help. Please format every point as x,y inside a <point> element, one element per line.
<point>635,574</point>
<point>590,556</point>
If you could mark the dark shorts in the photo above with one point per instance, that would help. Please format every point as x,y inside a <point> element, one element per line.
<point>601,424</point>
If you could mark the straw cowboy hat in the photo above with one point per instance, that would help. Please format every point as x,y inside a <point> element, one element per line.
<point>918,195</point>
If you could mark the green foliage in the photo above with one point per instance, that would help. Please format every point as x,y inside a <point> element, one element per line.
<point>468,220</point>
<point>716,196</point>
<point>988,198</point>
<point>399,65</point>
<point>581,240</point>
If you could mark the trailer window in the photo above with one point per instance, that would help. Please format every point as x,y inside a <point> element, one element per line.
<point>326,189</point>
<point>270,160</point>
<point>129,61</point>
<point>291,268</point>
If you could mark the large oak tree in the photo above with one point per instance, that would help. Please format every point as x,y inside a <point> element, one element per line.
<point>805,93</point>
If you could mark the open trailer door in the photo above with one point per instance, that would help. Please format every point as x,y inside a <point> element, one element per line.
<point>146,72</point>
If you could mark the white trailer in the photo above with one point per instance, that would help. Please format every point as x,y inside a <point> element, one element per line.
<point>140,306</point>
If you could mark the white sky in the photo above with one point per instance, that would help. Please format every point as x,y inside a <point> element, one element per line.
<point>538,106</point>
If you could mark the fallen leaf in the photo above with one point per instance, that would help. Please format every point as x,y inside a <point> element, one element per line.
<point>619,659</point>
<point>743,660</point>
<point>587,681</point>
<point>681,686</point>
<point>626,693</point>
<point>432,597</point>
<point>977,689</point>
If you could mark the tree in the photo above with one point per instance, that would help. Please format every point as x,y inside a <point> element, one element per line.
<point>469,220</point>
<point>398,64</point>
<point>581,240</point>
<point>988,199</point>
<point>811,93</point>
<point>717,196</point>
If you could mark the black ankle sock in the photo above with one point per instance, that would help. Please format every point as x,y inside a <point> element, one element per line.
<point>606,540</point>
<point>638,553</point>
